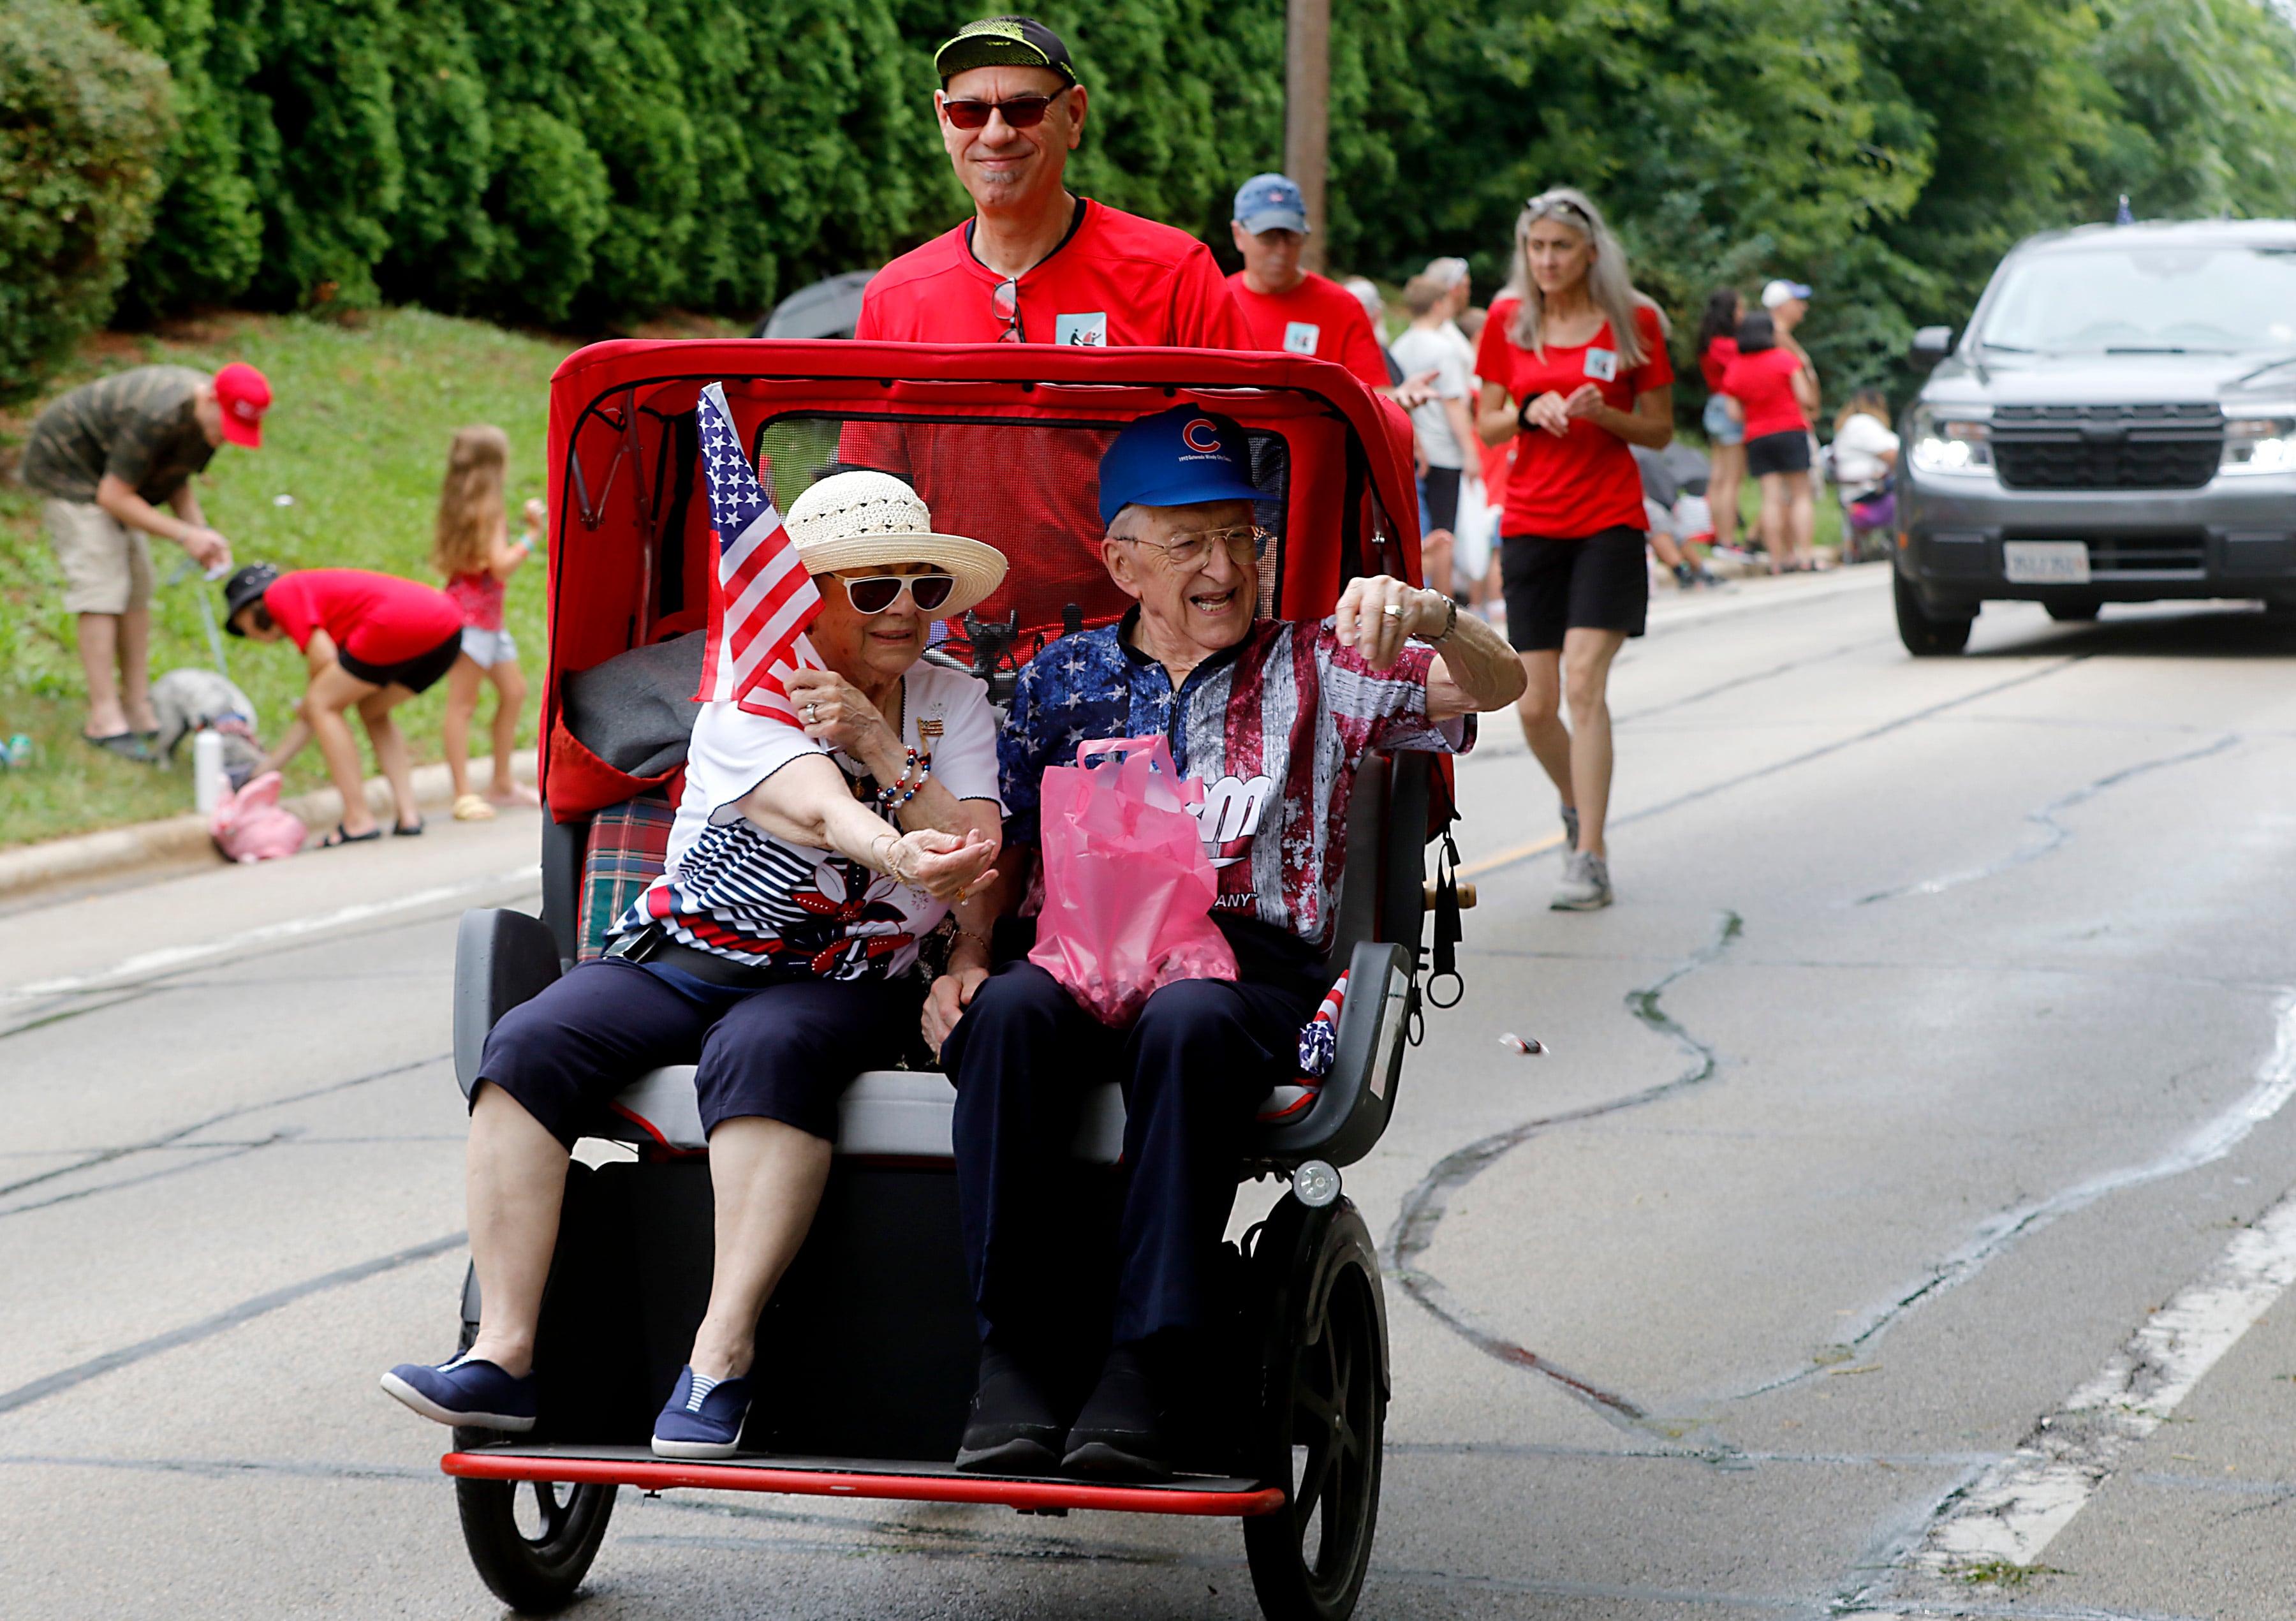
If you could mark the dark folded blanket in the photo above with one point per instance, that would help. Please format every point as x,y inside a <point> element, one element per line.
<point>635,711</point>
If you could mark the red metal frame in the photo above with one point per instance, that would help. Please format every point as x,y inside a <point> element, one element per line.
<point>608,403</point>
<point>1028,1495</point>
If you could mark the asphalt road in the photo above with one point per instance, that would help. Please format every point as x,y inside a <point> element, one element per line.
<point>1900,1189</point>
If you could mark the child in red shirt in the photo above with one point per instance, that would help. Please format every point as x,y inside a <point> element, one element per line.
<point>1773,391</point>
<point>472,549</point>
<point>371,641</point>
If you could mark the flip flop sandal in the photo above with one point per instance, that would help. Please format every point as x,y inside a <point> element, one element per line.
<point>472,808</point>
<point>339,837</point>
<point>128,745</point>
<point>399,831</point>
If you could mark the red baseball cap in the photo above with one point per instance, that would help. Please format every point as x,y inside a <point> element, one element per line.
<point>244,395</point>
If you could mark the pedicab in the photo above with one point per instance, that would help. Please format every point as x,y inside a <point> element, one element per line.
<point>867,1350</point>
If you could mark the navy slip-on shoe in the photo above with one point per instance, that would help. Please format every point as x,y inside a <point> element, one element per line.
<point>703,1418</point>
<point>466,1391</point>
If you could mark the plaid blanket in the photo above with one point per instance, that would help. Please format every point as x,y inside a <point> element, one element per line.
<point>627,845</point>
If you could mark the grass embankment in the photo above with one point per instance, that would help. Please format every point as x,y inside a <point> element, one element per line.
<point>348,475</point>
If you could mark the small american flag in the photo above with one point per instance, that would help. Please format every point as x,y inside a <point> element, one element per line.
<point>763,598</point>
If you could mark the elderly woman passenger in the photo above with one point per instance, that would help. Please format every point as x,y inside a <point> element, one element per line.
<point>777,952</point>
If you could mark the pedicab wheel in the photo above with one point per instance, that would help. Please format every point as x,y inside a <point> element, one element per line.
<point>532,1541</point>
<point>1324,1394</point>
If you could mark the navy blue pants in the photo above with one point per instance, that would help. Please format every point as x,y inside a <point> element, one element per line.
<point>785,1052</point>
<point>1194,1067</point>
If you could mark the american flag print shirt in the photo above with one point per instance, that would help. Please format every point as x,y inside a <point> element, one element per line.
<point>1274,729</point>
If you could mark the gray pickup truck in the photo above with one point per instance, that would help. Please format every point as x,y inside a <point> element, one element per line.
<point>2117,424</point>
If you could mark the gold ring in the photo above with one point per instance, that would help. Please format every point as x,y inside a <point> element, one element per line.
<point>1392,612</point>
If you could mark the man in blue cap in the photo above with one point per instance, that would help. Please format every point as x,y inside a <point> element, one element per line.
<point>1251,708</point>
<point>1294,311</point>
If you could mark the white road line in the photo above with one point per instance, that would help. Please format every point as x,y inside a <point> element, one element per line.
<point>145,964</point>
<point>2015,1508</point>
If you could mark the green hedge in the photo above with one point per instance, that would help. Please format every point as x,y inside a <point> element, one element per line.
<point>584,161</point>
<point>83,122</point>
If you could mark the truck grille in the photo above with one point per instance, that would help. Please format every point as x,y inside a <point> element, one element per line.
<point>2136,447</point>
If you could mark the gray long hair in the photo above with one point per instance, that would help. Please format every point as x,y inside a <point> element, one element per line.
<point>1608,286</point>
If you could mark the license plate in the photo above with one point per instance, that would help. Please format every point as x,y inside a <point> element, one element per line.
<point>2045,561</point>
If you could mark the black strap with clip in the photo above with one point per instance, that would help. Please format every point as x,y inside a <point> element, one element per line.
<point>1447,930</point>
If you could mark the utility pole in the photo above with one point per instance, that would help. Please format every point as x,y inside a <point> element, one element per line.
<point>1306,112</point>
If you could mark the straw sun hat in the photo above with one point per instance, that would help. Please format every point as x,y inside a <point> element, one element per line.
<point>856,520</point>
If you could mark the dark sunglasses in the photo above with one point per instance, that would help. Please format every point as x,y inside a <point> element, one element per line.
<point>1021,112</point>
<point>880,592</point>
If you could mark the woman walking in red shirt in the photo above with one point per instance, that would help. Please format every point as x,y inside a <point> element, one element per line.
<point>1775,394</point>
<point>1574,368</point>
<point>1726,435</point>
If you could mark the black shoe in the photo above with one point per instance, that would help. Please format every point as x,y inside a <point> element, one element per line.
<point>1121,1433</point>
<point>1014,1429</point>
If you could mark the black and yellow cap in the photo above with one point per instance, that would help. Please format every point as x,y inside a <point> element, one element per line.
<point>1005,42</point>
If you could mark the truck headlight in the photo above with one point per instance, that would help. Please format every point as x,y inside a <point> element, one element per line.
<point>2260,444</point>
<point>1950,444</point>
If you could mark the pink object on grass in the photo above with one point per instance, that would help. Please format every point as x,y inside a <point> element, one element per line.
<point>250,826</point>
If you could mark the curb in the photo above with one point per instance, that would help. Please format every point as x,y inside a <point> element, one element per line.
<point>181,838</point>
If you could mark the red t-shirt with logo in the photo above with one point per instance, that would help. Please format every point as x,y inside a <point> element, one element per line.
<point>1035,495</point>
<point>1116,278</point>
<point>378,618</point>
<point>1716,360</point>
<point>1317,317</point>
<point>1762,383</point>
<point>1586,482</point>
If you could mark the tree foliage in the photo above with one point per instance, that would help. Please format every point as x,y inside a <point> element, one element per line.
<point>84,120</point>
<point>580,161</point>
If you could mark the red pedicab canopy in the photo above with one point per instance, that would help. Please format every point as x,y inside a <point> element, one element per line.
<point>1001,440</point>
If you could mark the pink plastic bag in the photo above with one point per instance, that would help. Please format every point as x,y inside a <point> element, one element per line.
<point>250,826</point>
<point>1127,887</point>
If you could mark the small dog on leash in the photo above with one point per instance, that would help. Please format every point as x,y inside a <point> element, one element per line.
<point>192,700</point>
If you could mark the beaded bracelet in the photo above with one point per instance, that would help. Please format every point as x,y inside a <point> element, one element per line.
<point>885,796</point>
<point>892,805</point>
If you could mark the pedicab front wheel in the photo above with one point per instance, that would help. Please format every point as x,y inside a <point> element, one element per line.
<point>1323,1414</point>
<point>532,1541</point>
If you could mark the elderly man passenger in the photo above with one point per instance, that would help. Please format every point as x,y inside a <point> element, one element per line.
<point>1280,715</point>
<point>777,952</point>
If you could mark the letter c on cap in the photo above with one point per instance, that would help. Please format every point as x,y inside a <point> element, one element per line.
<point>1201,437</point>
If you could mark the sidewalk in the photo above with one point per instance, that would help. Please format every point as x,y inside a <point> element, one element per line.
<point>183,839</point>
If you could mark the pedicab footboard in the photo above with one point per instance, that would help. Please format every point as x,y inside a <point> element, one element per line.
<point>1234,1497</point>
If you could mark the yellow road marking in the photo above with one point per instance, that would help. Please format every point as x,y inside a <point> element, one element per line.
<point>1508,858</point>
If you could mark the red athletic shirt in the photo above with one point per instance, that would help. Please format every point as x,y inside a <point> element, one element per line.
<point>1763,384</point>
<point>1716,360</point>
<point>1317,317</point>
<point>1034,496</point>
<point>378,618</point>
<point>1117,278</point>
<point>1586,481</point>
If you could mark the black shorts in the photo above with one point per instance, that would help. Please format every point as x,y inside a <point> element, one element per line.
<point>1598,583</point>
<point>417,674</point>
<point>1440,486</point>
<point>783,1052</point>
<point>1787,452</point>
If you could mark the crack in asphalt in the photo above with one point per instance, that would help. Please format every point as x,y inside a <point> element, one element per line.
<point>1424,1207</point>
<point>1695,795</point>
<point>2274,1085</point>
<point>220,1153</point>
<point>168,1138</point>
<point>2055,834</point>
<point>230,1317</point>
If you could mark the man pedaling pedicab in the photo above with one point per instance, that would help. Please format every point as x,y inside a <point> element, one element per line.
<point>776,952</point>
<point>1287,711</point>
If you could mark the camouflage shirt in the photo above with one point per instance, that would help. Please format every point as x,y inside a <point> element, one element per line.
<point>136,425</point>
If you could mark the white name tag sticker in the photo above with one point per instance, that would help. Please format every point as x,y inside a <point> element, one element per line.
<point>1086,331</point>
<point>1300,337</point>
<point>1602,363</point>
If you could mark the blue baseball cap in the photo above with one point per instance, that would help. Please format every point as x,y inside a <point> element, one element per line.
<point>1270,202</point>
<point>1176,458</point>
